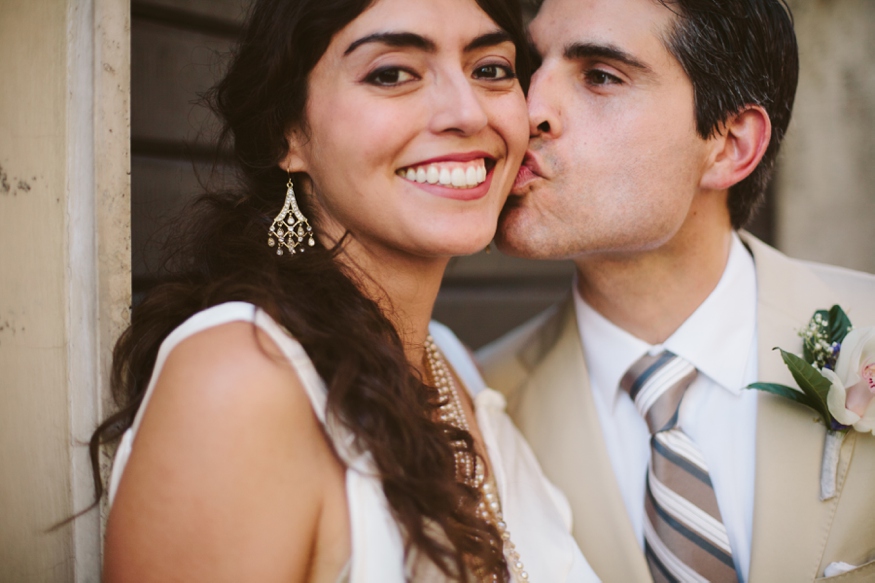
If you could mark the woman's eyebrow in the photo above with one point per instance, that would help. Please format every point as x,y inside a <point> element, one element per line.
<point>394,39</point>
<point>416,41</point>
<point>490,39</point>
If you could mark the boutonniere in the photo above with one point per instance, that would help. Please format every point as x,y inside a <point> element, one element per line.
<point>836,378</point>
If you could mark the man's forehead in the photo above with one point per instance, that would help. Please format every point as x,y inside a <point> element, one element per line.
<point>633,25</point>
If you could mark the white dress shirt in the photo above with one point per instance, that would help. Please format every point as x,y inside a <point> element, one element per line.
<point>719,339</point>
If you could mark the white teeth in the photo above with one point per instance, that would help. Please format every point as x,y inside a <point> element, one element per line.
<point>472,175</point>
<point>453,174</point>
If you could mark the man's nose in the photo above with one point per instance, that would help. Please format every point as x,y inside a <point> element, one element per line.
<point>544,114</point>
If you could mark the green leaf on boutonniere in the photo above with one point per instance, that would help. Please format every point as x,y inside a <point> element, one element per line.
<point>785,391</point>
<point>839,324</point>
<point>812,383</point>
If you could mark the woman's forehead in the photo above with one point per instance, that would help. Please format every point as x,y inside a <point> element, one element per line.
<point>440,21</point>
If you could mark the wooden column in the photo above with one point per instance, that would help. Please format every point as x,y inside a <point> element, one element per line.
<point>64,270</point>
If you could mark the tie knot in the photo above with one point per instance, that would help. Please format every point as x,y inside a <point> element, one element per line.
<point>657,384</point>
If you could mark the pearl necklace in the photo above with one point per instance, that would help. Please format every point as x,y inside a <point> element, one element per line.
<point>451,412</point>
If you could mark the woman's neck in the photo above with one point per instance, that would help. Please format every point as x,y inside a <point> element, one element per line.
<point>405,288</point>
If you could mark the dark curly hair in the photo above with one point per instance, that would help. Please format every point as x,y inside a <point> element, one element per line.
<point>222,255</point>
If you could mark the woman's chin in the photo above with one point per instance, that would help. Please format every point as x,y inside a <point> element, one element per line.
<point>463,237</point>
<point>467,247</point>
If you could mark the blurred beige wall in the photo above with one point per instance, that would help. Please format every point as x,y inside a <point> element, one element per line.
<point>826,182</point>
<point>64,269</point>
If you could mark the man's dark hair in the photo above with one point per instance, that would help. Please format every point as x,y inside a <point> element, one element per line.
<point>738,53</point>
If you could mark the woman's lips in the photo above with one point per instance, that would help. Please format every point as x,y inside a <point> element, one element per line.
<point>457,193</point>
<point>447,173</point>
<point>459,176</point>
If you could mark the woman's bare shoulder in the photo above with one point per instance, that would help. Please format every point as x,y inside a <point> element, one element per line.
<point>223,378</point>
<point>226,474</point>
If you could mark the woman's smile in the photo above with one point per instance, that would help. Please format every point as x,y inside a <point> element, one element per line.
<point>458,176</point>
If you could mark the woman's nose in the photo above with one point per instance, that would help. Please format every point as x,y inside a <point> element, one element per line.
<point>457,107</point>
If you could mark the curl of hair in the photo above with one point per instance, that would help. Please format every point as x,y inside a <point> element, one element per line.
<point>222,255</point>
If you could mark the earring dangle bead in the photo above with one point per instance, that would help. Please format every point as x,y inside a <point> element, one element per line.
<point>290,228</point>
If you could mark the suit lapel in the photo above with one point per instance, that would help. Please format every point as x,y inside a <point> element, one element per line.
<point>556,413</point>
<point>790,522</point>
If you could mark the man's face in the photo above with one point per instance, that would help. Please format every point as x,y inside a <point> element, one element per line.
<point>614,160</point>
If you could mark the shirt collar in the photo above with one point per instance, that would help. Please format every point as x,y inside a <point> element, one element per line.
<point>716,338</point>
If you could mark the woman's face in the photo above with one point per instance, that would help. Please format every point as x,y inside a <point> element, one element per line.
<point>416,127</point>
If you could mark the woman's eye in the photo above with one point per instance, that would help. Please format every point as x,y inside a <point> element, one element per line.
<point>390,76</point>
<point>599,77</point>
<point>494,72</point>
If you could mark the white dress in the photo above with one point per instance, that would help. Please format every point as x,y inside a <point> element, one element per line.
<point>537,514</point>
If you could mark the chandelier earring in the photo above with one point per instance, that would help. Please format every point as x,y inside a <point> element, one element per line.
<point>290,229</point>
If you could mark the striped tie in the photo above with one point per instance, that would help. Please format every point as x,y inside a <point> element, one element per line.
<point>684,536</point>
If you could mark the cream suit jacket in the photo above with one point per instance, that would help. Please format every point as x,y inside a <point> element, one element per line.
<point>541,370</point>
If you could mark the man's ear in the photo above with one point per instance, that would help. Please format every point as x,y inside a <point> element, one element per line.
<point>294,160</point>
<point>738,148</point>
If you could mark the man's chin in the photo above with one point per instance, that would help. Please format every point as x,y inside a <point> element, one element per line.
<point>516,237</point>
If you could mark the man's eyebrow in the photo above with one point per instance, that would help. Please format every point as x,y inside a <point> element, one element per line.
<point>579,51</point>
<point>490,39</point>
<point>394,39</point>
